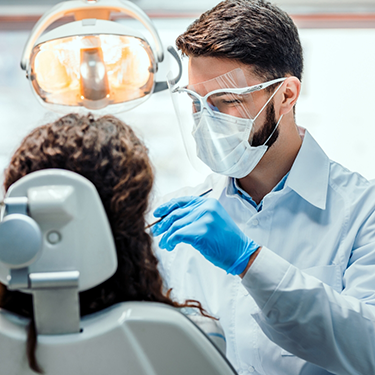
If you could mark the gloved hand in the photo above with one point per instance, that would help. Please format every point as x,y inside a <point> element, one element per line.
<point>204,224</point>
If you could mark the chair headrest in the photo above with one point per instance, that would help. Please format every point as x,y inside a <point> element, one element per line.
<point>54,221</point>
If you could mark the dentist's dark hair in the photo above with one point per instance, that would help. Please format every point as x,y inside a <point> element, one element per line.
<point>108,153</point>
<point>253,32</point>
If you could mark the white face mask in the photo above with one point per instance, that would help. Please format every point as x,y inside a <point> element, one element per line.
<point>223,142</point>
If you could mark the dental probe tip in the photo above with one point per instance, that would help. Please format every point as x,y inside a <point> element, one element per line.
<point>152,224</point>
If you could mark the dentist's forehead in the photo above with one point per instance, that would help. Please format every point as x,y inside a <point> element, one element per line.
<point>204,68</point>
<point>232,79</point>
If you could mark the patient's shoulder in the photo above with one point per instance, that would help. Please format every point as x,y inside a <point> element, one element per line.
<point>211,327</point>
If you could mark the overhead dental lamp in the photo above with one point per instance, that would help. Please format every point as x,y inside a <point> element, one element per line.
<point>93,62</point>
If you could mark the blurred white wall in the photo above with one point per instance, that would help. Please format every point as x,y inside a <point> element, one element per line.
<point>336,104</point>
<point>292,6</point>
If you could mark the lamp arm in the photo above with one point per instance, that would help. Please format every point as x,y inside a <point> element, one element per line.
<point>70,7</point>
<point>160,86</point>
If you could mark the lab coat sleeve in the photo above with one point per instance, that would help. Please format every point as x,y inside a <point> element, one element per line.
<point>310,319</point>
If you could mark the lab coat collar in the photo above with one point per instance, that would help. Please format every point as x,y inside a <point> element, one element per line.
<point>308,177</point>
<point>309,174</point>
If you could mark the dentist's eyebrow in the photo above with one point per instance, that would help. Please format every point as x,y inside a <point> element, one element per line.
<point>219,94</point>
<point>226,93</point>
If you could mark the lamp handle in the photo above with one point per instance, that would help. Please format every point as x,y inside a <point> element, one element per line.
<point>101,7</point>
<point>160,86</point>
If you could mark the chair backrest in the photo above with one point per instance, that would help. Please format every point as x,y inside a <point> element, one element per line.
<point>55,240</point>
<point>131,338</point>
<point>76,234</point>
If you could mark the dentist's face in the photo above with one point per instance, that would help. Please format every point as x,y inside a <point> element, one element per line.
<point>207,69</point>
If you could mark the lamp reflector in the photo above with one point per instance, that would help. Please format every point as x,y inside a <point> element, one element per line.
<point>93,71</point>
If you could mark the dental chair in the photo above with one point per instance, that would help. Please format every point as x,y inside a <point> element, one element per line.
<point>55,241</point>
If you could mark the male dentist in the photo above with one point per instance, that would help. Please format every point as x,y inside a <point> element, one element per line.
<point>289,235</point>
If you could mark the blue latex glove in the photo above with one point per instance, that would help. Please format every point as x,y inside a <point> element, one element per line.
<point>204,224</point>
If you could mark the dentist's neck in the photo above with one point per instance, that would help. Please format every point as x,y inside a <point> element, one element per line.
<point>274,165</point>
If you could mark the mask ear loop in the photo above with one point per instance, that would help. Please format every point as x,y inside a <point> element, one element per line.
<point>273,131</point>
<point>270,98</point>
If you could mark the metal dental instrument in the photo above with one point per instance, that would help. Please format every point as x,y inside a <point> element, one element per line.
<point>152,224</point>
<point>2,203</point>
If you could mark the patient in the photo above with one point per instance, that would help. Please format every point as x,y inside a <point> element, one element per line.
<point>108,153</point>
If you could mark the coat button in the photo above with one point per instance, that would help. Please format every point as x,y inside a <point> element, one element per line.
<point>255,222</point>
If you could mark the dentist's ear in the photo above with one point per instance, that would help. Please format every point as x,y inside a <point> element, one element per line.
<point>290,93</point>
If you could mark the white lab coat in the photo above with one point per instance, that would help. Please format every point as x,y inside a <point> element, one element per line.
<point>306,306</point>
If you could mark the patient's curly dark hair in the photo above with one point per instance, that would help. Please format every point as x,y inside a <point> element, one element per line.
<point>108,153</point>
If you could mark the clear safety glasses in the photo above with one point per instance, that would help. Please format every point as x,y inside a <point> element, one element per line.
<point>236,102</point>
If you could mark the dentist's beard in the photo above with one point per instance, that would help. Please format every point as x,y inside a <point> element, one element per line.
<point>262,134</point>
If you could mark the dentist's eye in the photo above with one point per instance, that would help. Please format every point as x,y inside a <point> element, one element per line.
<point>232,101</point>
